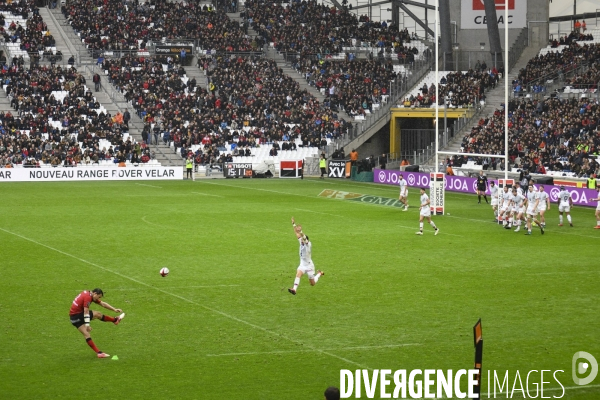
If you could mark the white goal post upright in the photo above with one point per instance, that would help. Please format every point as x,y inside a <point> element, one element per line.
<point>437,180</point>
<point>504,156</point>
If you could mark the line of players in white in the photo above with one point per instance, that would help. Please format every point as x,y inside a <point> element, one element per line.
<point>513,206</point>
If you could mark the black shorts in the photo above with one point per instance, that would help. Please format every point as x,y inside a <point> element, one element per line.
<point>481,188</point>
<point>77,319</point>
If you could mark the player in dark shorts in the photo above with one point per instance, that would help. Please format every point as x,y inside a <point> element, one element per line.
<point>482,183</point>
<point>80,315</point>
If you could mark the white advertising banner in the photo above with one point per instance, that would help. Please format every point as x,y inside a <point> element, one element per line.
<point>472,14</point>
<point>90,174</point>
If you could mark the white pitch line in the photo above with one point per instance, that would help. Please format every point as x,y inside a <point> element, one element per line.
<point>213,310</point>
<point>152,186</point>
<point>256,353</point>
<point>153,224</point>
<point>206,194</point>
<point>317,212</point>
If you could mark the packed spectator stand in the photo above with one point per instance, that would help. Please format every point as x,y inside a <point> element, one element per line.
<point>58,122</point>
<point>557,135</point>
<point>25,34</point>
<point>246,106</point>
<point>248,103</point>
<point>114,25</point>
<point>461,89</point>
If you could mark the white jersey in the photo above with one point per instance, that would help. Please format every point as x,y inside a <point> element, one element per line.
<point>564,197</point>
<point>520,191</point>
<point>512,206</point>
<point>305,252</point>
<point>425,210</point>
<point>506,198</point>
<point>543,197</point>
<point>598,197</point>
<point>403,188</point>
<point>518,201</point>
<point>532,198</point>
<point>494,194</point>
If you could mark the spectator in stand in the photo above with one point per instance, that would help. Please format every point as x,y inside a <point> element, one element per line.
<point>353,157</point>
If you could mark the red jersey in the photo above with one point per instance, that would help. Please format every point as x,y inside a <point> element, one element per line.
<point>84,299</point>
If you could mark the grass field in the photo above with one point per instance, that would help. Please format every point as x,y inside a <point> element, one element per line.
<point>223,326</point>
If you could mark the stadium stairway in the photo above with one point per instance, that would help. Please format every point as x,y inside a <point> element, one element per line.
<point>236,17</point>
<point>62,33</point>
<point>5,103</point>
<point>495,97</point>
<point>61,44</point>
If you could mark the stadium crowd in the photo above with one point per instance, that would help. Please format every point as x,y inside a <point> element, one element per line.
<point>123,26</point>
<point>353,86</point>
<point>57,121</point>
<point>245,99</point>
<point>572,37</point>
<point>555,64</point>
<point>463,89</point>
<point>310,28</point>
<point>250,101</point>
<point>552,135</point>
<point>34,36</point>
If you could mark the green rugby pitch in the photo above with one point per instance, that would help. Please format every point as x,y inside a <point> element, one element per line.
<point>222,324</point>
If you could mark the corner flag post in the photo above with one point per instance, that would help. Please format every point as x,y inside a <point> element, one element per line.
<point>478,341</point>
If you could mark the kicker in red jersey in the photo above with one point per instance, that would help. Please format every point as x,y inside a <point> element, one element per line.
<point>83,300</point>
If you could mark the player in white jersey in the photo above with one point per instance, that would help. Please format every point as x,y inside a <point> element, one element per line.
<point>505,210</point>
<point>544,204</point>
<point>518,207</point>
<point>306,265</point>
<point>532,205</point>
<point>597,208</point>
<point>403,192</point>
<point>494,195</point>
<point>519,188</point>
<point>425,212</point>
<point>565,202</point>
<point>521,193</point>
<point>510,211</point>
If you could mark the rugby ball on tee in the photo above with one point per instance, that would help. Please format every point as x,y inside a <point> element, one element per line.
<point>164,272</point>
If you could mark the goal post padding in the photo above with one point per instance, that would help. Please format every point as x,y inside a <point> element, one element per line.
<point>437,190</point>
